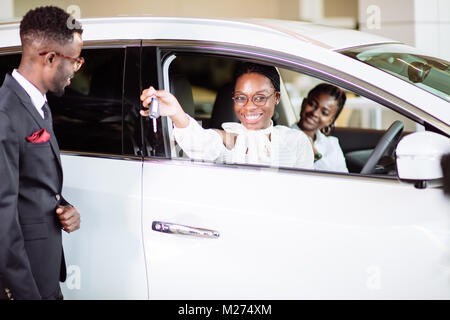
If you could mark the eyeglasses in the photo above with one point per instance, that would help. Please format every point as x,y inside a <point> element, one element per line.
<point>78,62</point>
<point>258,99</point>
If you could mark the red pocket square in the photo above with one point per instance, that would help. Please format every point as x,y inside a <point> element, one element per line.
<point>39,136</point>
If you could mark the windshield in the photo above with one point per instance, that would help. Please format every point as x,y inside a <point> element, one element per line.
<point>429,73</point>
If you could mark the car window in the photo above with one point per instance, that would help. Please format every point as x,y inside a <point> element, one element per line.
<point>202,85</point>
<point>359,126</point>
<point>407,63</point>
<point>88,117</point>
<point>358,112</point>
<point>8,62</point>
<point>197,81</point>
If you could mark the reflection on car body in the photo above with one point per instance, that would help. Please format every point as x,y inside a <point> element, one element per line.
<point>273,233</point>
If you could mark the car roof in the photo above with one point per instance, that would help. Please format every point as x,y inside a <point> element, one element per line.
<point>328,37</point>
<point>324,36</point>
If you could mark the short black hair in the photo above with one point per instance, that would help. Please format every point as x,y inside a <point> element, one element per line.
<point>268,71</point>
<point>49,23</point>
<point>337,93</point>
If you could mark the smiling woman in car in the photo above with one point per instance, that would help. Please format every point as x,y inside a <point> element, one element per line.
<point>253,141</point>
<point>319,111</point>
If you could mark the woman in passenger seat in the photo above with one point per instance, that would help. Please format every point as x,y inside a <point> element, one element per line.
<point>319,111</point>
<point>253,141</point>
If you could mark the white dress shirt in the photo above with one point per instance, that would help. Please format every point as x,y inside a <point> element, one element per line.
<point>285,148</point>
<point>37,98</point>
<point>332,156</point>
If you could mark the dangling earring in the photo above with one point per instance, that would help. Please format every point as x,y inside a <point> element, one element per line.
<point>327,130</point>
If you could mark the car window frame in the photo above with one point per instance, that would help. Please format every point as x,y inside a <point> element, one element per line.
<point>307,67</point>
<point>96,44</point>
<point>168,48</point>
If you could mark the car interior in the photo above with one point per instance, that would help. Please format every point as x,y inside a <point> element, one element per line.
<point>367,132</point>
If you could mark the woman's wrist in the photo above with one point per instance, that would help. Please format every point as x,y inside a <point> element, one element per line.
<point>180,119</point>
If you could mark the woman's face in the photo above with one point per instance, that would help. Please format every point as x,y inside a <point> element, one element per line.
<point>254,87</point>
<point>318,112</point>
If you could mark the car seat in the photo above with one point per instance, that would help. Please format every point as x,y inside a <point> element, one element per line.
<point>223,109</point>
<point>182,90</point>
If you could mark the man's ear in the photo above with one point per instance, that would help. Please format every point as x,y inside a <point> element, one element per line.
<point>49,58</point>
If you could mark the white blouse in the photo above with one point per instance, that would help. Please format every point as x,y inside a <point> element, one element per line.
<point>332,156</point>
<point>285,148</point>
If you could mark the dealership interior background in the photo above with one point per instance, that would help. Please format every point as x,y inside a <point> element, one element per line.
<point>424,24</point>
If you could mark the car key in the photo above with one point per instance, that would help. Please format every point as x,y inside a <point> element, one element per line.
<point>154,112</point>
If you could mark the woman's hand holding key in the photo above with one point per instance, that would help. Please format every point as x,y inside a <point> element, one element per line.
<point>168,106</point>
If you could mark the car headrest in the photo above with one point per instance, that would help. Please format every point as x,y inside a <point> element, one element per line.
<point>182,90</point>
<point>223,109</point>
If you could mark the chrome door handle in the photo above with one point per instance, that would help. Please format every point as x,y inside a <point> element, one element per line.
<point>172,228</point>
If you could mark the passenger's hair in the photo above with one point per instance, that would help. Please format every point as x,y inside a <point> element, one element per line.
<point>48,24</point>
<point>337,93</point>
<point>268,71</point>
<point>445,165</point>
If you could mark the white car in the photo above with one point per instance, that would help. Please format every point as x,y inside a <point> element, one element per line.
<point>157,225</point>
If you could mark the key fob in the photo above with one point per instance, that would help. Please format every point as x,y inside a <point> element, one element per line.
<point>154,112</point>
<point>154,108</point>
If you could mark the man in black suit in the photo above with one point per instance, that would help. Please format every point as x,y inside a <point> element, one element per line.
<point>32,209</point>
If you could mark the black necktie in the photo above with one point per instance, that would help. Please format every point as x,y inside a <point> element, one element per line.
<point>47,114</point>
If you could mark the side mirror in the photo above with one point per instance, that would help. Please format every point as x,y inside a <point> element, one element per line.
<point>419,157</point>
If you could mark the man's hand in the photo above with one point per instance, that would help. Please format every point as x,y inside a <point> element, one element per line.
<point>69,218</point>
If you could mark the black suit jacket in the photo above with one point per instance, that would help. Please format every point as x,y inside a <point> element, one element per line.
<point>31,254</point>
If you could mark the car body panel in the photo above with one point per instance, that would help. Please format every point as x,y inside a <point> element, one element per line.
<point>287,243</point>
<point>106,252</point>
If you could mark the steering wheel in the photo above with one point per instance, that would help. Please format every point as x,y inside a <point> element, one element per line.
<point>385,146</point>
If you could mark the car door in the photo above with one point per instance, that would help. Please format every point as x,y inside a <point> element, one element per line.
<point>218,231</point>
<point>97,133</point>
<point>280,239</point>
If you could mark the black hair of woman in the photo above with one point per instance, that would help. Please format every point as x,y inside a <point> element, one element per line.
<point>268,71</point>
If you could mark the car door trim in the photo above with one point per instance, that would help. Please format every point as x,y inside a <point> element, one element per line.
<point>101,155</point>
